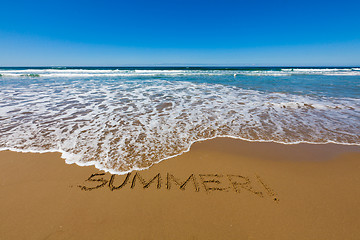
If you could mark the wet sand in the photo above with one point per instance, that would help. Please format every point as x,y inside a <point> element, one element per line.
<point>234,190</point>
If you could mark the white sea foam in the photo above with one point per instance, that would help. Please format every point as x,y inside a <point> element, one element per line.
<point>316,69</point>
<point>322,71</point>
<point>120,125</point>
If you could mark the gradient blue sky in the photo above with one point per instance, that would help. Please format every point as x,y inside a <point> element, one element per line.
<point>174,32</point>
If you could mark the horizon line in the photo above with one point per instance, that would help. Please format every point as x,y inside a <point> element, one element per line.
<point>177,66</point>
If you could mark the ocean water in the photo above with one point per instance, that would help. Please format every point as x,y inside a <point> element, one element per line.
<point>122,119</point>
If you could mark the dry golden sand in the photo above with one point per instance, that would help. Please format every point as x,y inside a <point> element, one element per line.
<point>254,191</point>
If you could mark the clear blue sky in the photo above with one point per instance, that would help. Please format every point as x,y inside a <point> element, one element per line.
<point>179,32</point>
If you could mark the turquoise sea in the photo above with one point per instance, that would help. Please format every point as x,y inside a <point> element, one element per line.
<point>121,119</point>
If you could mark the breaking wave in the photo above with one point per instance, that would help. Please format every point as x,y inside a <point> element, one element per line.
<point>51,72</point>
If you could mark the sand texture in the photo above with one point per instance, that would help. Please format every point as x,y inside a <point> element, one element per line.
<point>221,189</point>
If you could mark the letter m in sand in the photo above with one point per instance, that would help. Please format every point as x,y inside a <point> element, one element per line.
<point>144,183</point>
<point>181,185</point>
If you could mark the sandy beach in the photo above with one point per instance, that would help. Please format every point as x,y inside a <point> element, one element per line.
<point>221,189</point>
<point>169,120</point>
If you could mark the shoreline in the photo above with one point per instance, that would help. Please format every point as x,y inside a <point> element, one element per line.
<point>111,171</point>
<point>220,189</point>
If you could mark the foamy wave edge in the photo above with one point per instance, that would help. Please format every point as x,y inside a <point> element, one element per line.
<point>68,156</point>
